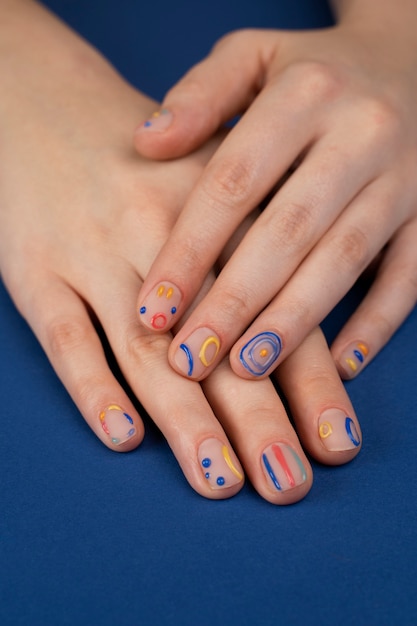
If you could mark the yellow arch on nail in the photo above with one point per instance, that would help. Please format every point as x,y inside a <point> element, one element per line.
<point>203,349</point>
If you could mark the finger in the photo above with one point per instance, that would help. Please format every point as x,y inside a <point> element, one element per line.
<point>65,331</point>
<point>321,281</point>
<point>238,177</point>
<point>257,424</point>
<point>389,301</point>
<point>177,406</point>
<point>210,94</point>
<point>323,414</point>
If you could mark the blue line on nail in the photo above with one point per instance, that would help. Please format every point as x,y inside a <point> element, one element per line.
<point>358,355</point>
<point>251,355</point>
<point>352,432</point>
<point>189,356</point>
<point>271,472</point>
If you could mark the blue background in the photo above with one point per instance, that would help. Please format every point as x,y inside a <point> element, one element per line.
<point>93,537</point>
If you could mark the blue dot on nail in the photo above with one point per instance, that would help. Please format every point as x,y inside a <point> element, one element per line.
<point>220,481</point>
<point>207,475</point>
<point>206,462</point>
<point>174,310</point>
<point>147,124</point>
<point>142,310</point>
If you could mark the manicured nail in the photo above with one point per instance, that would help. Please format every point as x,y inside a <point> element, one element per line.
<point>160,306</point>
<point>260,353</point>
<point>159,121</point>
<point>337,431</point>
<point>283,467</point>
<point>117,424</point>
<point>197,353</point>
<point>352,360</point>
<point>217,465</point>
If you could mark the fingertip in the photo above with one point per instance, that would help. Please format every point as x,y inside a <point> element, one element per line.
<point>118,429</point>
<point>172,132</point>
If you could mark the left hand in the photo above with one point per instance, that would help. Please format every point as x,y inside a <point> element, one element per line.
<point>341,104</point>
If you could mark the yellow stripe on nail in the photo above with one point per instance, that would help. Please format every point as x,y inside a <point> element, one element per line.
<point>352,364</point>
<point>160,291</point>
<point>229,462</point>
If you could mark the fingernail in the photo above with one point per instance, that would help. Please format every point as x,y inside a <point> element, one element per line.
<point>160,306</point>
<point>337,431</point>
<point>159,121</point>
<point>197,353</point>
<point>283,467</point>
<point>217,465</point>
<point>260,353</point>
<point>352,359</point>
<point>117,424</point>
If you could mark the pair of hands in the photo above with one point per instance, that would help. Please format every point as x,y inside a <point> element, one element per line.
<point>81,222</point>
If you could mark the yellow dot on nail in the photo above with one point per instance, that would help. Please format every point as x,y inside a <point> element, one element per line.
<point>156,114</point>
<point>263,352</point>
<point>325,430</point>
<point>352,364</point>
<point>160,291</point>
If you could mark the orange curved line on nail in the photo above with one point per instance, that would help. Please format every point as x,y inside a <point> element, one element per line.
<point>364,348</point>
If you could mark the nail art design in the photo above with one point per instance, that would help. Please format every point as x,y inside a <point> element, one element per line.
<point>353,358</point>
<point>283,467</point>
<point>217,465</point>
<point>199,351</point>
<point>337,431</point>
<point>159,120</point>
<point>260,353</point>
<point>160,306</point>
<point>117,424</point>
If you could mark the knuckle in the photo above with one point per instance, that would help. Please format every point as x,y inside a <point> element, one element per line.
<point>351,249</point>
<point>235,305</point>
<point>146,349</point>
<point>228,183</point>
<point>66,335</point>
<point>383,122</point>
<point>293,228</point>
<point>317,82</point>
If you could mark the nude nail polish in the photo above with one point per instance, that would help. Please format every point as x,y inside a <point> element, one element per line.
<point>353,358</point>
<point>117,424</point>
<point>159,309</point>
<point>158,122</point>
<point>337,431</point>
<point>260,353</point>
<point>283,467</point>
<point>197,353</point>
<point>218,465</point>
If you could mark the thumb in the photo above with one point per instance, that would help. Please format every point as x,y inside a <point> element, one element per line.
<point>213,92</point>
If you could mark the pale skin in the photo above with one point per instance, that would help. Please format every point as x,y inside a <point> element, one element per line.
<point>82,218</point>
<point>336,107</point>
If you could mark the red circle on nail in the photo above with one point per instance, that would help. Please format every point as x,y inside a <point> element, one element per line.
<point>158,321</point>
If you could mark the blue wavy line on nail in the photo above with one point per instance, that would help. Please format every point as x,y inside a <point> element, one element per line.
<point>358,355</point>
<point>129,419</point>
<point>248,358</point>
<point>189,356</point>
<point>352,432</point>
<point>271,472</point>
